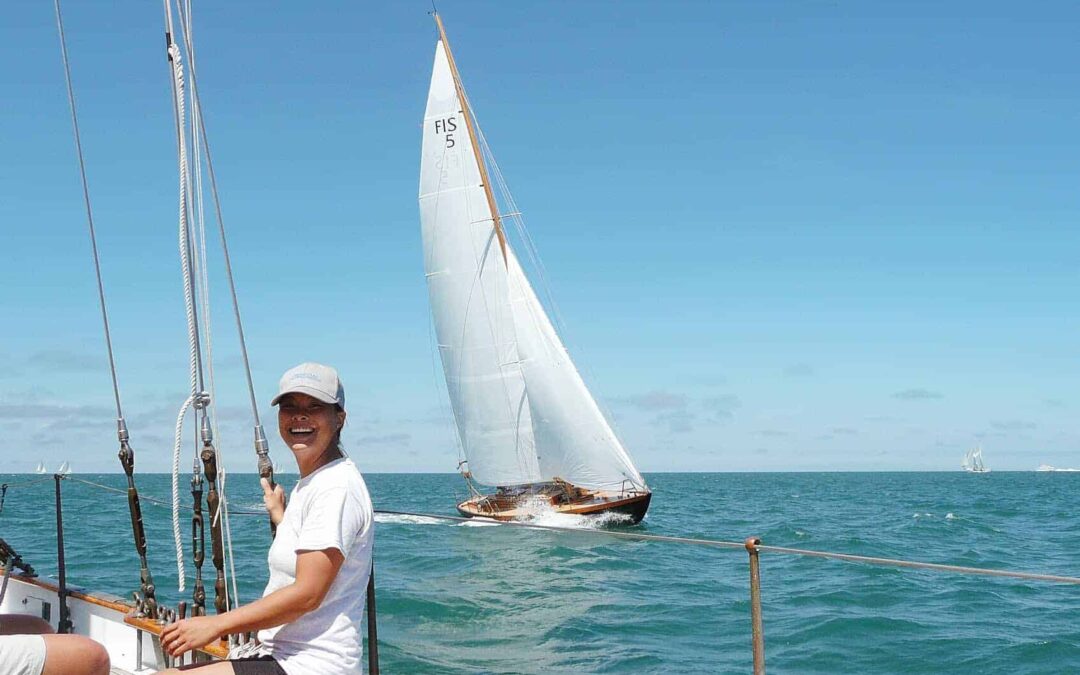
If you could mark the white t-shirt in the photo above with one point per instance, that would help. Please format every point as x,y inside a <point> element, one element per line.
<point>329,508</point>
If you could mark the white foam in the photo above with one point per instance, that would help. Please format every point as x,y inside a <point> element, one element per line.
<point>538,511</point>
<point>478,522</point>
<point>399,519</point>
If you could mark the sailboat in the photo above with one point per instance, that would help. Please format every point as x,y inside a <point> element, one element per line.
<point>527,423</point>
<point>973,461</point>
<point>1048,468</point>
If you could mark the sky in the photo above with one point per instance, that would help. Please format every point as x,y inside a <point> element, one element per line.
<point>781,236</point>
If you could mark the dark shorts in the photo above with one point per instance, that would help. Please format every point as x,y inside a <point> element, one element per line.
<point>253,665</point>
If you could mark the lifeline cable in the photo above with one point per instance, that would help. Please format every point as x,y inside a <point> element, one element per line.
<point>711,543</point>
<point>893,562</point>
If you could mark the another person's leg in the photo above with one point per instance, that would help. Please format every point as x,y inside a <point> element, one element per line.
<point>23,624</point>
<point>74,655</point>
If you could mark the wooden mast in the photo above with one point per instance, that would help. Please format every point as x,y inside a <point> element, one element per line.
<point>485,183</point>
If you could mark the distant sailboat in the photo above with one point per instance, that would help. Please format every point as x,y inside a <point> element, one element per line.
<point>1046,468</point>
<point>973,461</point>
<point>40,468</point>
<point>528,425</point>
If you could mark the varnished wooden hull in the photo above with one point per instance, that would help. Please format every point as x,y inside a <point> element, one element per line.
<point>633,506</point>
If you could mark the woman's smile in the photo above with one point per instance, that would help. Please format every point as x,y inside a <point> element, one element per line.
<point>306,423</point>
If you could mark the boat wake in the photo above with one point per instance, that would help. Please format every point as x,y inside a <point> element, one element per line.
<point>400,519</point>
<point>539,511</point>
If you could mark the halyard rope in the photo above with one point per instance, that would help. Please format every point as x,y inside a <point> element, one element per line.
<point>224,242</point>
<point>199,134</point>
<point>186,272</point>
<point>177,442</point>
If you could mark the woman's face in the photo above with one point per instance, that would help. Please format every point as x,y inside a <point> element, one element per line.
<point>308,425</point>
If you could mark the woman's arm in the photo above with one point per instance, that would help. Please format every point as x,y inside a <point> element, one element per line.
<point>315,572</point>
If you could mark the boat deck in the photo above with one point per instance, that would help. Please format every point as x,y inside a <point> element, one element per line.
<point>132,643</point>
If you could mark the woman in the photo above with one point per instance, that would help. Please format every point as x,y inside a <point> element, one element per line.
<point>309,616</point>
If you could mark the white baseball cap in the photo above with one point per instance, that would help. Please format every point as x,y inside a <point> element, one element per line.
<point>315,380</point>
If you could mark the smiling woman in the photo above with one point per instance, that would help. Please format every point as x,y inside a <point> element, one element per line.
<point>309,616</point>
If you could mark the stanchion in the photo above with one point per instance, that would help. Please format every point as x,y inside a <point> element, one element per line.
<point>372,633</point>
<point>757,629</point>
<point>64,624</point>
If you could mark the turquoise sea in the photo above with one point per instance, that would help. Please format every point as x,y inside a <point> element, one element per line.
<point>488,599</point>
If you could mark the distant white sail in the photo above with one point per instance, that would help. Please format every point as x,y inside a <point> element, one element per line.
<point>973,461</point>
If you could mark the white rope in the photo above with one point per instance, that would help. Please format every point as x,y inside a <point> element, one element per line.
<point>189,300</point>
<point>177,442</point>
<point>203,284</point>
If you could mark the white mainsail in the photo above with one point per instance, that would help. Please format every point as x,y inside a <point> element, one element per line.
<point>523,412</point>
<point>468,290</point>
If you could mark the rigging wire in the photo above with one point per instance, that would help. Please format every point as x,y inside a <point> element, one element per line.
<point>200,144</point>
<point>197,398</point>
<point>157,502</point>
<point>261,444</point>
<point>121,428</point>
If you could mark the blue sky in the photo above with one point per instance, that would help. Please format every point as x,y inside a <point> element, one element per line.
<point>781,236</point>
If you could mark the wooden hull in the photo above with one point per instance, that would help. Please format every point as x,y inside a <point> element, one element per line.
<point>526,505</point>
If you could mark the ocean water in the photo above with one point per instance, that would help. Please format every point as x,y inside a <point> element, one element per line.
<point>478,598</point>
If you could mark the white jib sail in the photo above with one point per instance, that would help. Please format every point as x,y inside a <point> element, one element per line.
<point>468,290</point>
<point>573,439</point>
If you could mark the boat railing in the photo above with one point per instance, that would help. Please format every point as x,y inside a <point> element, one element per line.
<point>629,488</point>
<point>753,546</point>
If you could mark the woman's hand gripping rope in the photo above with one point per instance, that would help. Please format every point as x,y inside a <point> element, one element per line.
<point>273,500</point>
